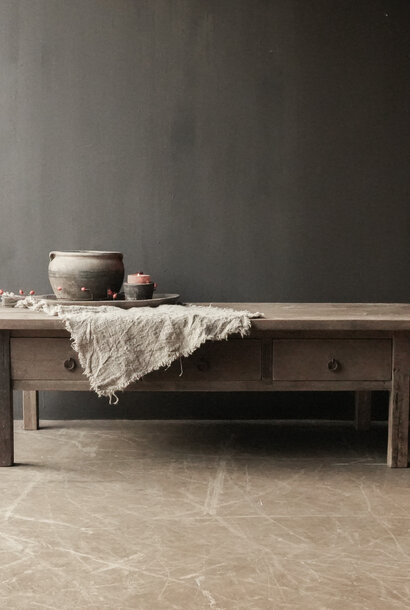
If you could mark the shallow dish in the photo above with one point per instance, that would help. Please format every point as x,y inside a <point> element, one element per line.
<point>158,299</point>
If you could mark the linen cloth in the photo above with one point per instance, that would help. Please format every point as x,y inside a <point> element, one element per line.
<point>119,346</point>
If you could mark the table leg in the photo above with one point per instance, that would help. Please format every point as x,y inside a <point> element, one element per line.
<point>397,447</point>
<point>363,411</point>
<point>30,410</point>
<point>6,403</point>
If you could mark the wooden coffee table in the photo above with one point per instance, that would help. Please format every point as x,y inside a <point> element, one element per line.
<point>296,346</point>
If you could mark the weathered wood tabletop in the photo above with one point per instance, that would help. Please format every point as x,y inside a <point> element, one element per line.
<point>287,316</point>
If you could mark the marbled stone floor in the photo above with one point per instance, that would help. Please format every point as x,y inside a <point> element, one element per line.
<point>193,515</point>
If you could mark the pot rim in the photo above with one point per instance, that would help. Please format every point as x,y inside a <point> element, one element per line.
<point>84,253</point>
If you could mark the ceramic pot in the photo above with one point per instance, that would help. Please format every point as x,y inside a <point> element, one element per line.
<point>85,274</point>
<point>138,292</point>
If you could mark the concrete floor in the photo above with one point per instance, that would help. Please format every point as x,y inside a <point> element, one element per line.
<point>186,515</point>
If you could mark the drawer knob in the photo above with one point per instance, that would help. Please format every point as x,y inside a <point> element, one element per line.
<point>70,364</point>
<point>333,365</point>
<point>202,365</point>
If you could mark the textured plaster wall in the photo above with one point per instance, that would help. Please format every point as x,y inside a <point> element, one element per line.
<point>235,149</point>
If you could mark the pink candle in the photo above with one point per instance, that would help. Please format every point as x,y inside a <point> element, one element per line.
<point>139,278</point>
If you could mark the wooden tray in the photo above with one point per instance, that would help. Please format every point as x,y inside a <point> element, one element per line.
<point>158,299</point>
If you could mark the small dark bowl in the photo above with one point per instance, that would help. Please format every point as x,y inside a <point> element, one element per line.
<point>138,292</point>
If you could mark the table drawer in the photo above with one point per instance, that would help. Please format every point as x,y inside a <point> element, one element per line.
<point>233,360</point>
<point>332,359</point>
<point>44,359</point>
<point>54,359</point>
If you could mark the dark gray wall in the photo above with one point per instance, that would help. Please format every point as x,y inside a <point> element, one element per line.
<point>235,149</point>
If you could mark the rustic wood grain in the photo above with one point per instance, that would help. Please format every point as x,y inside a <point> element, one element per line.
<point>25,333</point>
<point>43,358</point>
<point>397,446</point>
<point>278,316</point>
<point>30,410</point>
<point>267,360</point>
<point>160,384</point>
<point>295,340</point>
<point>6,403</point>
<point>303,334</point>
<point>234,360</point>
<point>308,359</point>
<point>363,411</point>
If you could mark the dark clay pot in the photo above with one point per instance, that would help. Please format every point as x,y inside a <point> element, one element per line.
<point>96,271</point>
<point>138,292</point>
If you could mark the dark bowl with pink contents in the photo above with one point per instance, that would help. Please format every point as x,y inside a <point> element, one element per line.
<point>139,287</point>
